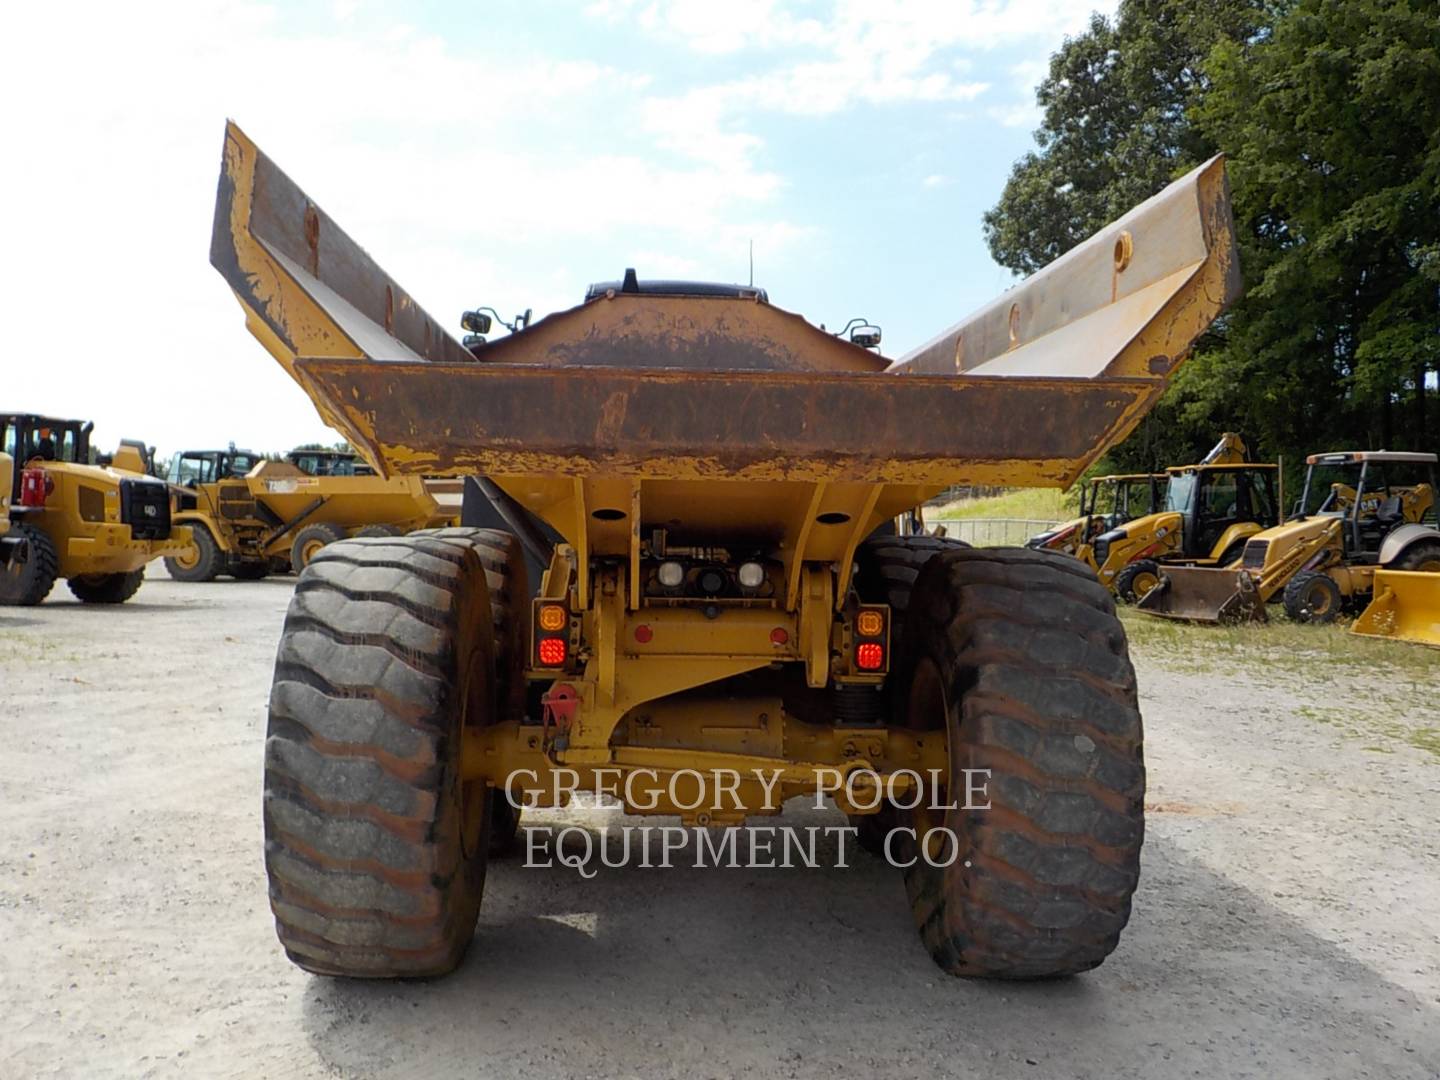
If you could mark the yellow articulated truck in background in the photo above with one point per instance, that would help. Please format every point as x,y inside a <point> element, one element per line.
<point>251,516</point>
<point>1360,512</point>
<point>96,526</point>
<point>730,618</point>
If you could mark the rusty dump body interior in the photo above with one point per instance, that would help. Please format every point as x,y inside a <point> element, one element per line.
<point>719,414</point>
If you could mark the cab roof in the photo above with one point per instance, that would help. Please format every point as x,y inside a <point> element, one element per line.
<point>1233,466</point>
<point>1355,457</point>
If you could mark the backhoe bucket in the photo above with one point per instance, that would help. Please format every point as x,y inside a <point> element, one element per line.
<point>1202,595</point>
<point>1406,607</point>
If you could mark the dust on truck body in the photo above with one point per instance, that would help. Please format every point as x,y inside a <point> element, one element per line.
<point>728,606</point>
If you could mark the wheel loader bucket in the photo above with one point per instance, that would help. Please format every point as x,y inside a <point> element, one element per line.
<point>1203,595</point>
<point>1406,607</point>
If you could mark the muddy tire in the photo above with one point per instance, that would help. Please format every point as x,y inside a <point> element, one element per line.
<point>378,530</point>
<point>29,579</point>
<point>375,848</point>
<point>1137,579</point>
<point>106,588</point>
<point>1018,656</point>
<point>311,540</point>
<point>1424,555</point>
<point>206,563</point>
<point>1312,597</point>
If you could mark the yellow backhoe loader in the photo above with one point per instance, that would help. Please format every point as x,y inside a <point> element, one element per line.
<point>728,619</point>
<point>252,517</point>
<point>1211,509</point>
<point>1106,503</point>
<point>1360,511</point>
<point>94,525</point>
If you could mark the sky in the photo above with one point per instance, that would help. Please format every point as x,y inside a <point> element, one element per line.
<point>503,154</point>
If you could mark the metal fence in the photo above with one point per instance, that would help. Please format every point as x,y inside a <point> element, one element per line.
<point>992,532</point>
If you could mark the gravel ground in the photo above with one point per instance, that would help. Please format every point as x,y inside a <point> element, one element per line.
<point>1287,924</point>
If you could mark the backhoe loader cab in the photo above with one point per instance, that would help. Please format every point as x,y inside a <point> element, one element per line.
<point>728,621</point>
<point>1358,511</point>
<point>94,525</point>
<point>1208,514</point>
<point>1106,502</point>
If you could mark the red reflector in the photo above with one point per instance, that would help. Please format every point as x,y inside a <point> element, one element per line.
<point>779,636</point>
<point>643,634</point>
<point>870,656</point>
<point>552,651</point>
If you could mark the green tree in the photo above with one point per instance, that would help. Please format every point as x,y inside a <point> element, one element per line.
<point>1117,124</point>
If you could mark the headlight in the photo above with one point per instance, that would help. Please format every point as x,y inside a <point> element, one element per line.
<point>752,575</point>
<point>671,574</point>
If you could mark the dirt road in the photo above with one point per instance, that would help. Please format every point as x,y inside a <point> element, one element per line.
<point>1287,924</point>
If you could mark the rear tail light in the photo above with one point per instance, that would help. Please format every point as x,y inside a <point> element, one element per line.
<point>34,486</point>
<point>552,651</point>
<point>552,634</point>
<point>872,638</point>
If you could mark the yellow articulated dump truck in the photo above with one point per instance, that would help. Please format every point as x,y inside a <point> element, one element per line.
<point>729,618</point>
<point>252,517</point>
<point>1106,503</point>
<point>1360,512</point>
<point>94,525</point>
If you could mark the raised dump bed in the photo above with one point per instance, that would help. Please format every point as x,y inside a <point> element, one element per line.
<point>727,599</point>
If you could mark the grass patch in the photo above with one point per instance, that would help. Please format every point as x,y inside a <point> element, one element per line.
<point>1037,504</point>
<point>1379,692</point>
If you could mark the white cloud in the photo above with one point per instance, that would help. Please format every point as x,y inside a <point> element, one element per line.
<point>934,180</point>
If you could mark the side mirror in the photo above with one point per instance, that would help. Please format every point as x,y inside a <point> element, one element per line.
<point>474,342</point>
<point>867,336</point>
<point>477,322</point>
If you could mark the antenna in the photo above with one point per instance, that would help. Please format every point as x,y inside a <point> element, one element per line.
<point>752,262</point>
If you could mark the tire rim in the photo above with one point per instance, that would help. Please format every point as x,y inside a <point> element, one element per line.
<point>1430,566</point>
<point>1143,582</point>
<point>189,558</point>
<point>1318,600</point>
<point>310,550</point>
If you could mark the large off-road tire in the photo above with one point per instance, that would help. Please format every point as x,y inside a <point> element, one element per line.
<point>1018,657</point>
<point>885,571</point>
<point>1137,579</point>
<point>508,581</point>
<point>311,540</point>
<point>1423,555</point>
<point>375,847</point>
<point>202,563</point>
<point>29,579</point>
<point>249,571</point>
<point>1312,597</point>
<point>106,588</point>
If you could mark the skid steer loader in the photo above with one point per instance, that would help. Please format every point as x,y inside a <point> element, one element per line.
<point>729,620</point>
<point>1360,511</point>
<point>1210,510</point>
<point>1106,503</point>
<point>97,526</point>
<point>252,517</point>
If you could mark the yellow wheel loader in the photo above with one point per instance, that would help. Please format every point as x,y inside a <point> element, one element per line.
<point>1106,503</point>
<point>1360,511</point>
<point>1210,510</point>
<point>94,525</point>
<point>728,619</point>
<point>252,517</point>
<point>12,548</point>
